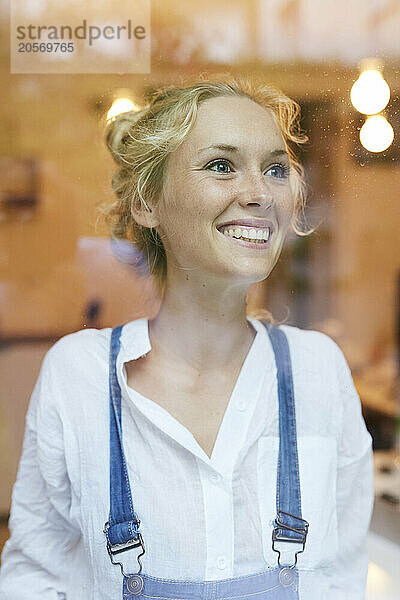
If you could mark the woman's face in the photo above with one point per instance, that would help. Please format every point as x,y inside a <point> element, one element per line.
<point>232,166</point>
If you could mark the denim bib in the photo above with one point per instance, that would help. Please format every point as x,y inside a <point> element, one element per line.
<point>122,530</point>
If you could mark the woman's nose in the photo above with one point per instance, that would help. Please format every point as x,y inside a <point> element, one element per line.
<point>255,190</point>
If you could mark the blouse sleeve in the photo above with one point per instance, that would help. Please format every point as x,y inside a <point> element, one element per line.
<point>354,493</point>
<point>34,558</point>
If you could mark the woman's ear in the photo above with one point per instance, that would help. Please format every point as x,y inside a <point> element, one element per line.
<point>144,213</point>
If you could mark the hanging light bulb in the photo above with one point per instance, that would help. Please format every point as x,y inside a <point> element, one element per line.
<point>120,105</point>
<point>376,134</point>
<point>370,93</point>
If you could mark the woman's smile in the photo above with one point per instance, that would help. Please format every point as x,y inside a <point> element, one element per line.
<point>259,239</point>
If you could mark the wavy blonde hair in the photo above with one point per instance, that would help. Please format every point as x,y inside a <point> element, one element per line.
<point>141,141</point>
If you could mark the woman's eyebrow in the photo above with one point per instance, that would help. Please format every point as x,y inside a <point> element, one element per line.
<point>229,148</point>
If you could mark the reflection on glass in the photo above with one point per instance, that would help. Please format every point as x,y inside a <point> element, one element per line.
<point>370,93</point>
<point>376,134</point>
<point>119,106</point>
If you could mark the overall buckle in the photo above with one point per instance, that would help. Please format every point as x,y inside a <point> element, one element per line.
<point>302,532</point>
<point>118,548</point>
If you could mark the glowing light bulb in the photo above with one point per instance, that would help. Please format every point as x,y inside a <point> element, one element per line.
<point>370,93</point>
<point>120,105</point>
<point>376,134</point>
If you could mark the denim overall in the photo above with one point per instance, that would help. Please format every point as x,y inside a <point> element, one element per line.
<point>122,533</point>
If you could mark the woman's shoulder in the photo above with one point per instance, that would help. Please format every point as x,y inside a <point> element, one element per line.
<point>313,350</point>
<point>306,339</point>
<point>80,349</point>
<point>311,338</point>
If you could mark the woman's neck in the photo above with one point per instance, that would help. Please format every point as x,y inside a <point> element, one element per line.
<point>201,332</point>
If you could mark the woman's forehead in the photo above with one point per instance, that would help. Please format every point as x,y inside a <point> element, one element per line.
<point>233,121</point>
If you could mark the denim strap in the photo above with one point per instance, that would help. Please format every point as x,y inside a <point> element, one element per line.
<point>123,524</point>
<point>289,522</point>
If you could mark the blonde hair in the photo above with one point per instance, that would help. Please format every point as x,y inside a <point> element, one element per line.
<point>141,141</point>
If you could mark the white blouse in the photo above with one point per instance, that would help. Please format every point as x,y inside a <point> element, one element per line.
<point>201,518</point>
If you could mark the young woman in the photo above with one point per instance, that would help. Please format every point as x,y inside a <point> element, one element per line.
<point>202,454</point>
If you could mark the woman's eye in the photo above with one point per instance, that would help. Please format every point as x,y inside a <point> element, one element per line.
<point>281,171</point>
<point>216,163</point>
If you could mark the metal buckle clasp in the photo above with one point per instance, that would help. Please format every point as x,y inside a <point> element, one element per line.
<point>118,548</point>
<point>302,531</point>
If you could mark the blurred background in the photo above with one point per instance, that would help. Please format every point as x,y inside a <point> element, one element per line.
<point>59,272</point>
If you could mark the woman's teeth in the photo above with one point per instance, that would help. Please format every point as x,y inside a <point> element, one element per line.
<point>250,234</point>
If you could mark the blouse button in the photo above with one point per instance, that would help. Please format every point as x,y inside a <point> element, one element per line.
<point>241,405</point>
<point>221,562</point>
<point>215,477</point>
